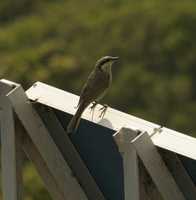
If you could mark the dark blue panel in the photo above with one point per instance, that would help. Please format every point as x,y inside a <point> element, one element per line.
<point>190,166</point>
<point>99,151</point>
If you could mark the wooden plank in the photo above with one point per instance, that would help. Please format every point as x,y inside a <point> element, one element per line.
<point>45,145</point>
<point>40,165</point>
<point>70,153</point>
<point>156,168</point>
<point>180,174</point>
<point>148,190</point>
<point>11,153</point>
<point>167,139</point>
<point>130,162</point>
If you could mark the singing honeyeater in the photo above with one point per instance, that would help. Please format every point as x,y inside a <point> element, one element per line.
<point>94,89</point>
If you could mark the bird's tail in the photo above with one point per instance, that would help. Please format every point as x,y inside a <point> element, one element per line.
<point>75,121</point>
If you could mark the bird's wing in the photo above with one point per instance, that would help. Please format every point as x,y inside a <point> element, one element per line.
<point>87,87</point>
<point>93,88</point>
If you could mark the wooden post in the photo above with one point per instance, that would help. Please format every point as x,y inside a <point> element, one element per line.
<point>45,145</point>
<point>11,154</point>
<point>156,167</point>
<point>130,162</point>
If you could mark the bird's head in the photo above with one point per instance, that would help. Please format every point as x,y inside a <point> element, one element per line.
<point>106,62</point>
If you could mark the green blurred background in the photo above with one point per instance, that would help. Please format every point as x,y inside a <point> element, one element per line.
<point>58,42</point>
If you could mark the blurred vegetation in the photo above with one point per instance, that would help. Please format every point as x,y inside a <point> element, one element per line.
<point>58,42</point>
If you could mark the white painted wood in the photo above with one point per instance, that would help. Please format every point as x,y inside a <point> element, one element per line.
<point>130,163</point>
<point>11,154</point>
<point>30,150</point>
<point>65,101</point>
<point>45,145</point>
<point>9,84</point>
<point>156,167</point>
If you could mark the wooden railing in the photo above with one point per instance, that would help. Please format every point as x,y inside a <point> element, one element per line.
<point>35,130</point>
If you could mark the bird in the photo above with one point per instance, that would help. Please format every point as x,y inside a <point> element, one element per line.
<point>94,89</point>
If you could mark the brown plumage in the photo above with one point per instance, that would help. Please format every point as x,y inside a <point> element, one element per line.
<point>94,89</point>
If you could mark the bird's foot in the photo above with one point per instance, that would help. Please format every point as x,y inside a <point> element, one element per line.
<point>157,130</point>
<point>92,108</point>
<point>103,110</point>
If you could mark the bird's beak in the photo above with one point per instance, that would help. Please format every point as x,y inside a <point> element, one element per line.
<point>114,58</point>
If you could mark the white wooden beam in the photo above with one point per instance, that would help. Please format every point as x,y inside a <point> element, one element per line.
<point>130,163</point>
<point>156,167</point>
<point>167,139</point>
<point>11,153</point>
<point>45,145</point>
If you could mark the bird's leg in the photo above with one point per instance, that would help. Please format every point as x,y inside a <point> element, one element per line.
<point>92,108</point>
<point>103,110</point>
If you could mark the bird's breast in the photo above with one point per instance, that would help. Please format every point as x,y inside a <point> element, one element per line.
<point>106,79</point>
